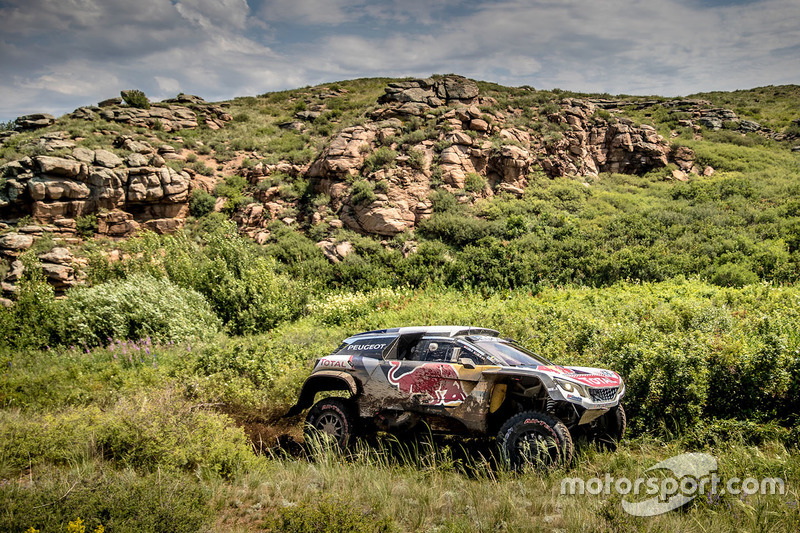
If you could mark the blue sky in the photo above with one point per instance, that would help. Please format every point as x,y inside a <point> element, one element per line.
<point>56,55</point>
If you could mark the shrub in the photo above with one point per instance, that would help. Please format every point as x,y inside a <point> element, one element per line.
<point>241,285</point>
<point>136,98</point>
<point>474,182</point>
<point>459,229</point>
<point>382,186</point>
<point>202,168</point>
<point>383,157</point>
<point>362,193</point>
<point>443,201</point>
<point>329,515</point>
<point>666,383</point>
<point>106,499</point>
<point>86,225</point>
<point>416,158</point>
<point>32,320</point>
<point>201,203</point>
<point>138,307</point>
<point>732,275</point>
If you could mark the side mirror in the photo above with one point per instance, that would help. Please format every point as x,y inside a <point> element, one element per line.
<point>466,362</point>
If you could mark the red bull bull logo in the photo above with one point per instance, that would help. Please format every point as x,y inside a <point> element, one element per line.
<point>433,383</point>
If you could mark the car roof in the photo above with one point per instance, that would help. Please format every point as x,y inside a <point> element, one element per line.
<point>443,331</point>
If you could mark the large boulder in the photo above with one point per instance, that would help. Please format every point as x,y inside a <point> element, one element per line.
<point>384,219</point>
<point>345,154</point>
<point>60,166</point>
<point>107,159</point>
<point>34,121</point>
<point>430,92</point>
<point>15,242</point>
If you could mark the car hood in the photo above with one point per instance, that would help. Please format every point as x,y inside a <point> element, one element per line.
<point>593,377</point>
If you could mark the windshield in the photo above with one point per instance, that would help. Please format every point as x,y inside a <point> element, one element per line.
<point>511,354</point>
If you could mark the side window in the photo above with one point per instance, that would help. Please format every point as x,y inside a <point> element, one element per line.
<point>443,351</point>
<point>471,353</point>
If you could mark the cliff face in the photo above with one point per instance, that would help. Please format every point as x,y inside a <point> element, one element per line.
<point>466,136</point>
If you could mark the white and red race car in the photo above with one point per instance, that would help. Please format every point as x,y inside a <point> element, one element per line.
<point>462,380</point>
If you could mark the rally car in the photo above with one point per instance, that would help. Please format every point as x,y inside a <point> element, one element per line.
<point>461,380</point>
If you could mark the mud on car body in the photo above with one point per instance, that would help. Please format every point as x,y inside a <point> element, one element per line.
<point>462,380</point>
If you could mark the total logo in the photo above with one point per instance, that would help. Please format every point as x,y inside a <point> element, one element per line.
<point>336,362</point>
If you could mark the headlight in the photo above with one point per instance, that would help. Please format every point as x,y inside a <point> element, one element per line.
<point>573,388</point>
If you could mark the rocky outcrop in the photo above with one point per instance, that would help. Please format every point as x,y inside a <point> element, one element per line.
<point>416,97</point>
<point>34,121</point>
<point>476,149</point>
<point>431,91</point>
<point>58,264</point>
<point>592,145</point>
<point>695,114</point>
<point>51,188</point>
<point>346,153</point>
<point>172,115</point>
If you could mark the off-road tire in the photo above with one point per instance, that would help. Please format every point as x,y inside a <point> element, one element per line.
<point>529,429</point>
<point>610,428</point>
<point>331,419</point>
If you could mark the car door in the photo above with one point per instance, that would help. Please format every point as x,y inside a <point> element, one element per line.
<point>423,376</point>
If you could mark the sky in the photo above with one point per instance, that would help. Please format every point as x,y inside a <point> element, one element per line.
<point>58,55</point>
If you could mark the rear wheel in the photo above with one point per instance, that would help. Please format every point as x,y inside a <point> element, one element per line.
<point>331,419</point>
<point>536,439</point>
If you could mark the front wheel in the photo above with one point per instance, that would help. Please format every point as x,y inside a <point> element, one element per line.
<point>536,439</point>
<point>331,419</point>
<point>610,428</point>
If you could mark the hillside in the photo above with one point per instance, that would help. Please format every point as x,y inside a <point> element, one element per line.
<point>171,269</point>
<point>432,166</point>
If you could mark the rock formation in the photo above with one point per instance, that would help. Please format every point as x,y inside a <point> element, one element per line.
<point>469,141</point>
<point>51,188</point>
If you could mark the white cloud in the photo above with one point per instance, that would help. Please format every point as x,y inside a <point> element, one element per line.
<point>72,52</point>
<point>213,15</point>
<point>314,12</point>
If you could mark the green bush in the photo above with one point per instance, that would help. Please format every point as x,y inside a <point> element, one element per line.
<point>136,98</point>
<point>474,182</point>
<point>416,158</point>
<point>86,225</point>
<point>201,203</point>
<point>233,189</point>
<point>732,275</point>
<point>456,228</point>
<point>362,193</point>
<point>119,501</point>
<point>242,286</point>
<point>138,307</point>
<point>329,515</point>
<point>443,201</point>
<point>201,168</point>
<point>146,432</point>
<point>33,319</point>
<point>383,157</point>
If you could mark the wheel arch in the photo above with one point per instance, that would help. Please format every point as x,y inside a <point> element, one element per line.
<point>322,382</point>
